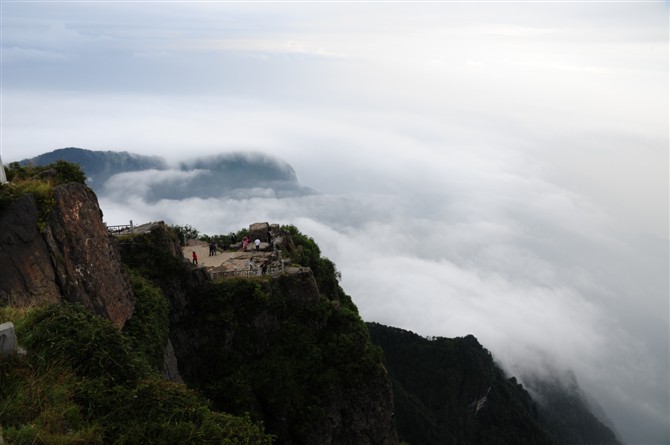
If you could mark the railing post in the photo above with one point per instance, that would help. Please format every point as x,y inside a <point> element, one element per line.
<point>132,229</point>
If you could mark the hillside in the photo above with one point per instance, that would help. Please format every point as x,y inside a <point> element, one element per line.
<point>280,357</point>
<point>450,391</point>
<point>284,348</point>
<point>227,174</point>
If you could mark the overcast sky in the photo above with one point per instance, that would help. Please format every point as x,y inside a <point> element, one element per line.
<point>496,169</point>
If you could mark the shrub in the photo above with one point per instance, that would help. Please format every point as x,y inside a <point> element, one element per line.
<point>306,252</point>
<point>160,412</point>
<point>149,325</point>
<point>38,406</point>
<point>39,182</point>
<point>91,345</point>
<point>283,358</point>
<point>83,384</point>
<point>60,172</point>
<point>185,233</point>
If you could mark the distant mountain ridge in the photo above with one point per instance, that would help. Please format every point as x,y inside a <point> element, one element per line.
<point>450,391</point>
<point>567,414</point>
<point>235,174</point>
<point>99,166</point>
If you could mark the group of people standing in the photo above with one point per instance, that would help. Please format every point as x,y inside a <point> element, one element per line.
<point>245,243</point>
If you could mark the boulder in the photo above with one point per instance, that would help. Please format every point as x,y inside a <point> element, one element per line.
<point>259,231</point>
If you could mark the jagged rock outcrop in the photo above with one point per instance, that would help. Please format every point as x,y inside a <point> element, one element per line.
<point>71,258</point>
<point>260,231</point>
<point>86,261</point>
<point>26,274</point>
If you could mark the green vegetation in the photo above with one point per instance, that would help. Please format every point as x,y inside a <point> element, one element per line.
<point>150,256</point>
<point>270,347</point>
<point>90,345</point>
<point>273,353</point>
<point>437,383</point>
<point>149,325</point>
<point>185,233</point>
<point>60,172</point>
<point>306,252</point>
<point>226,240</point>
<point>39,182</point>
<point>282,359</point>
<point>83,383</point>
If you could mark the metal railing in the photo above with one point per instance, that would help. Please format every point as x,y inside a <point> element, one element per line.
<point>124,229</point>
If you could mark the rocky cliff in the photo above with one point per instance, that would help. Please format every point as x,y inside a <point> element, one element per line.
<point>277,348</point>
<point>59,249</point>
<point>27,276</point>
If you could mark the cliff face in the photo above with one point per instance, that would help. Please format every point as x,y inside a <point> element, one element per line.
<point>27,276</point>
<point>71,258</point>
<point>300,362</point>
<point>274,347</point>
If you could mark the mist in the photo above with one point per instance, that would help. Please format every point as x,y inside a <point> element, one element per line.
<point>541,276</point>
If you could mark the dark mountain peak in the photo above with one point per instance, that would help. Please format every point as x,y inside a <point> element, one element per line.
<point>451,391</point>
<point>99,165</point>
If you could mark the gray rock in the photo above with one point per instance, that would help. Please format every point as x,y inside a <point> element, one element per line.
<point>8,344</point>
<point>259,231</point>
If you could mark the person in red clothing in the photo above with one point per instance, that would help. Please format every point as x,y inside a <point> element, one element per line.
<point>195,258</point>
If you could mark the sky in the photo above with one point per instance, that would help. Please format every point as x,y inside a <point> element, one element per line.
<point>489,168</point>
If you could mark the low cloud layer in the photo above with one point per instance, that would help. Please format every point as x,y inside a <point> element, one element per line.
<point>543,278</point>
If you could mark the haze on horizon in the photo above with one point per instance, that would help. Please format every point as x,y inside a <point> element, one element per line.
<point>496,169</point>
